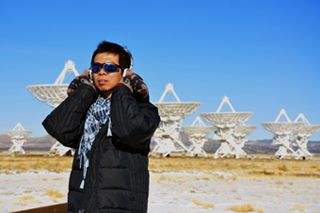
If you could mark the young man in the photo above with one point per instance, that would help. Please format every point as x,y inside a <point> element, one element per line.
<point>109,120</point>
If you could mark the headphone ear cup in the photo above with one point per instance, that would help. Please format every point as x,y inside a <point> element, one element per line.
<point>90,74</point>
<point>124,72</point>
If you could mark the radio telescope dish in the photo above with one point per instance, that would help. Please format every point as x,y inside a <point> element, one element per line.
<point>197,132</point>
<point>283,134</point>
<point>231,129</point>
<point>18,137</point>
<point>167,136</point>
<point>302,135</point>
<point>53,95</point>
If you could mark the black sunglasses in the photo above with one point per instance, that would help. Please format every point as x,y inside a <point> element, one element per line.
<point>107,67</point>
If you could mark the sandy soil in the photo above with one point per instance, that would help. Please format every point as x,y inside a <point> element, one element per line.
<point>183,191</point>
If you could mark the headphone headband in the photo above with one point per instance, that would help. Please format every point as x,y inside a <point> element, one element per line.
<point>131,58</point>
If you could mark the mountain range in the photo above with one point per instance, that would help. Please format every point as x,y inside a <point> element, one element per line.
<point>258,146</point>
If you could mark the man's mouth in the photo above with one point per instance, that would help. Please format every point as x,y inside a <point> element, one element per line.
<point>102,81</point>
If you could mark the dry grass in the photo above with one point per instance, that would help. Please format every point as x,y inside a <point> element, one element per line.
<point>21,201</point>
<point>26,198</point>
<point>298,207</point>
<point>24,163</point>
<point>283,167</point>
<point>245,208</point>
<point>7,193</point>
<point>54,195</point>
<point>238,167</point>
<point>203,205</point>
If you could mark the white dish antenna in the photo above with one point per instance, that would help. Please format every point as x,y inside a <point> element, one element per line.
<point>226,119</point>
<point>286,127</point>
<point>302,136</point>
<point>231,129</point>
<point>167,136</point>
<point>197,133</point>
<point>54,94</point>
<point>284,134</point>
<point>177,108</point>
<point>18,137</point>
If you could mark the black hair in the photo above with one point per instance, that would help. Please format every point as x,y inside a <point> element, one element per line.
<point>125,57</point>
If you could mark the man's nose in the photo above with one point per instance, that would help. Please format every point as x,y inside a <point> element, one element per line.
<point>102,72</point>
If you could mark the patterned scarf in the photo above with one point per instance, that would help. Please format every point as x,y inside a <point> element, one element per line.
<point>97,115</point>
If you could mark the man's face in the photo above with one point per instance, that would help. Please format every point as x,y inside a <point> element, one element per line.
<point>106,81</point>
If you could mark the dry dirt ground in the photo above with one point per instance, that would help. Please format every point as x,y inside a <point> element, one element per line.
<point>177,184</point>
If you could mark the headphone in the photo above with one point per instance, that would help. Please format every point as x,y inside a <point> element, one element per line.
<point>131,61</point>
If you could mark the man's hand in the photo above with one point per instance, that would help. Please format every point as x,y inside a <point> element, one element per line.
<point>136,85</point>
<point>79,80</point>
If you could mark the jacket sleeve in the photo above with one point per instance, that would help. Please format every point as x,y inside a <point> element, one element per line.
<point>65,123</point>
<point>133,122</point>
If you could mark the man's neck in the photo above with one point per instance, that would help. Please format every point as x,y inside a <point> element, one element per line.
<point>107,95</point>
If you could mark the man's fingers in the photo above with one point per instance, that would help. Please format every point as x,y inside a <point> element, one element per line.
<point>86,72</point>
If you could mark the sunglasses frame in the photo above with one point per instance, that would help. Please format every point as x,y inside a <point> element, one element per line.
<point>104,67</point>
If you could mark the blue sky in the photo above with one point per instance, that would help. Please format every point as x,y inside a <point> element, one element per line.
<point>264,55</point>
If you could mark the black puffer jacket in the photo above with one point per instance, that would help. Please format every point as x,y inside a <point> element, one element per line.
<point>118,178</point>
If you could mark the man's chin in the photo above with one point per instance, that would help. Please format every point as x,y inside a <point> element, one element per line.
<point>103,88</point>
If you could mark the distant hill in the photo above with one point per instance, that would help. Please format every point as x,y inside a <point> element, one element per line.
<point>259,146</point>
<point>314,146</point>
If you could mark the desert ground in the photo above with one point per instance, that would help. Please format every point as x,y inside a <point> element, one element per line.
<point>178,184</point>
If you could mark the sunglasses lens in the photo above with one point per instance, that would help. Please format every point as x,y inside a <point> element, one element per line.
<point>107,67</point>
<point>95,68</point>
<point>110,68</point>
